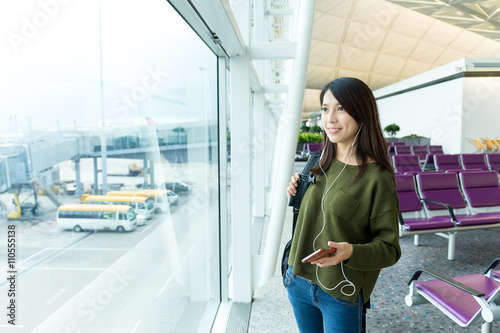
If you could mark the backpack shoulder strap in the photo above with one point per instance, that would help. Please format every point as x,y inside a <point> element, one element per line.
<point>306,177</point>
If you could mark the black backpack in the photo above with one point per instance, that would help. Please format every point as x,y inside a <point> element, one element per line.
<point>306,177</point>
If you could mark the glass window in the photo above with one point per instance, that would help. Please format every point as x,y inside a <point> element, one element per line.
<point>111,95</point>
<point>228,172</point>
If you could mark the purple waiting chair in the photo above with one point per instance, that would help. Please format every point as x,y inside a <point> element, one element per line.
<point>467,299</point>
<point>405,163</point>
<point>402,150</point>
<point>481,191</point>
<point>313,147</point>
<point>493,161</point>
<point>412,217</point>
<point>436,149</point>
<point>447,162</point>
<point>442,196</point>
<point>420,151</point>
<point>429,163</point>
<point>491,273</point>
<point>473,161</point>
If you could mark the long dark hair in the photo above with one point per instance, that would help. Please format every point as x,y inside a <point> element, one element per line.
<point>358,101</point>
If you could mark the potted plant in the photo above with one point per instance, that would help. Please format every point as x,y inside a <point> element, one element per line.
<point>304,139</point>
<point>316,129</point>
<point>304,128</point>
<point>414,139</point>
<point>391,129</point>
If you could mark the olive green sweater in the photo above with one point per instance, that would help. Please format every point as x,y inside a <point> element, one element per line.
<point>364,214</point>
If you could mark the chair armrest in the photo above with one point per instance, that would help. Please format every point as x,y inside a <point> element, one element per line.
<point>401,220</point>
<point>493,264</point>
<point>448,280</point>
<point>450,210</point>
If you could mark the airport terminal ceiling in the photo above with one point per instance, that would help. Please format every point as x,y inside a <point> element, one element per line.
<point>383,42</point>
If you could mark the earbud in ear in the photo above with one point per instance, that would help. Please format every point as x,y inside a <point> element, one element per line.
<point>359,130</point>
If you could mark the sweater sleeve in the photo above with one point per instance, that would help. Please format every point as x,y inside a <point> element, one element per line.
<point>383,250</point>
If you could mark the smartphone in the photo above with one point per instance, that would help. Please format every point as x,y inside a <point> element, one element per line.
<point>321,253</point>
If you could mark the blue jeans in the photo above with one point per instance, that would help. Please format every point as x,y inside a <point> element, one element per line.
<point>316,311</point>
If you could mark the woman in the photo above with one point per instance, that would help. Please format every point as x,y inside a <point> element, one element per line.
<point>352,207</point>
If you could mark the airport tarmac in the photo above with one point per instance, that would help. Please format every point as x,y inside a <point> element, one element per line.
<point>139,281</point>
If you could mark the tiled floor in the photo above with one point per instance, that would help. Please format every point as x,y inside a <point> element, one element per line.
<point>271,311</point>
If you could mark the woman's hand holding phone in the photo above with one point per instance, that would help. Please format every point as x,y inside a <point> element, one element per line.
<point>324,257</point>
<point>321,253</point>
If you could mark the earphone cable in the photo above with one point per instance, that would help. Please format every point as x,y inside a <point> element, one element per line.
<point>325,192</point>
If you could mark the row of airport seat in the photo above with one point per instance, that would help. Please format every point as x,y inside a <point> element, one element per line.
<point>446,203</point>
<point>485,144</point>
<point>419,150</point>
<point>461,193</point>
<point>393,148</point>
<point>466,299</point>
<point>303,153</point>
<point>446,162</point>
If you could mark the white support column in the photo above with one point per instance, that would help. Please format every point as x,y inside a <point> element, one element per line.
<point>264,270</point>
<point>272,127</point>
<point>274,50</point>
<point>258,31</point>
<point>260,139</point>
<point>277,156</point>
<point>241,184</point>
<point>241,12</point>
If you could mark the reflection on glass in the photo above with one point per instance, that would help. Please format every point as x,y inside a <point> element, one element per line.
<point>111,96</point>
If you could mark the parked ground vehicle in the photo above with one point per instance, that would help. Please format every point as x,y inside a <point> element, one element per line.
<point>178,187</point>
<point>23,208</point>
<point>173,198</point>
<point>135,170</point>
<point>160,197</point>
<point>96,217</point>
<point>141,205</point>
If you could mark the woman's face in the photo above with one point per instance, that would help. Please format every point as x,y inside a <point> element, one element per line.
<point>339,126</point>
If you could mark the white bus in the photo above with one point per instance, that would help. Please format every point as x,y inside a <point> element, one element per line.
<point>160,197</point>
<point>141,205</point>
<point>96,217</point>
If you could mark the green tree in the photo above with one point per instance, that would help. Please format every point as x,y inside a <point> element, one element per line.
<point>391,129</point>
<point>316,129</point>
<point>310,138</point>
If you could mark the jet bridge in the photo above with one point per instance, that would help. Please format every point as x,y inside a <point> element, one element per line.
<point>33,164</point>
